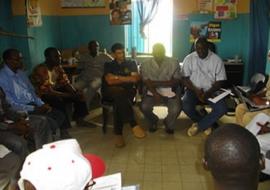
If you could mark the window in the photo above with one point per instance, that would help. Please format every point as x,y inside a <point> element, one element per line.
<point>158,31</point>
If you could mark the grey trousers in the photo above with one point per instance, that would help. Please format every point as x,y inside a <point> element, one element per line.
<point>90,87</point>
<point>15,143</point>
<point>10,166</point>
<point>40,130</point>
<point>174,109</point>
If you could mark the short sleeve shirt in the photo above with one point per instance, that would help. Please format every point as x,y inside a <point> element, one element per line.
<point>203,73</point>
<point>92,67</point>
<point>167,70</point>
<point>123,69</point>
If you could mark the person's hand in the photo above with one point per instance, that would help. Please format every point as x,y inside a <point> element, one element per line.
<point>157,98</point>
<point>264,128</point>
<point>45,108</point>
<point>21,127</point>
<point>200,95</point>
<point>258,100</point>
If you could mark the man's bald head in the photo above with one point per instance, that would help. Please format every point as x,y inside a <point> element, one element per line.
<point>232,154</point>
<point>159,52</point>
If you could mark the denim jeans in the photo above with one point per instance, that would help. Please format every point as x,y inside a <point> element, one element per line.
<point>190,101</point>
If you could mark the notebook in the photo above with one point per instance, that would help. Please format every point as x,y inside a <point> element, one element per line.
<point>252,107</point>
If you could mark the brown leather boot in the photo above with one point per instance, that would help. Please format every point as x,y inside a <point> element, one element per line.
<point>119,141</point>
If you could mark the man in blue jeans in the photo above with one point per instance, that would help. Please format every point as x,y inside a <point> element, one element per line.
<point>203,75</point>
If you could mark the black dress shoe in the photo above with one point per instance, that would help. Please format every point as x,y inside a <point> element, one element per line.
<point>64,134</point>
<point>152,129</point>
<point>264,177</point>
<point>169,131</point>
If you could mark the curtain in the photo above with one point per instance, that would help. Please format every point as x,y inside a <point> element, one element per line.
<point>147,10</point>
<point>133,37</point>
<point>259,31</point>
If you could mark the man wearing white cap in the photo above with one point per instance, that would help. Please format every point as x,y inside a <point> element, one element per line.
<point>60,166</point>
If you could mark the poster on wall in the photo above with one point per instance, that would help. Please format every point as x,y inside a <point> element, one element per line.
<point>82,3</point>
<point>211,29</point>
<point>33,13</point>
<point>205,6</point>
<point>225,9</point>
<point>120,12</point>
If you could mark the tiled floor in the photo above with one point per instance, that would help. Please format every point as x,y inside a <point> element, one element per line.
<point>158,162</point>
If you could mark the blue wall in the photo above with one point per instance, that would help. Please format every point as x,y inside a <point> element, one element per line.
<point>79,30</point>
<point>267,70</point>
<point>74,31</point>
<point>46,35</point>
<point>234,36</point>
<point>16,24</point>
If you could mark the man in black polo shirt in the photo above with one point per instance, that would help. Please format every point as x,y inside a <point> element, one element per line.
<point>120,77</point>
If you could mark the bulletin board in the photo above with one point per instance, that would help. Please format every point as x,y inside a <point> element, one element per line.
<point>225,9</point>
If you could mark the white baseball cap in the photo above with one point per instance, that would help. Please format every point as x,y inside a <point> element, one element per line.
<point>60,166</point>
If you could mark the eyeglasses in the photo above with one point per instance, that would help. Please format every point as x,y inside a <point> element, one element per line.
<point>90,185</point>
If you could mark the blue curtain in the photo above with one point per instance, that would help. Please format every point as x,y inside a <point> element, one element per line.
<point>259,31</point>
<point>147,10</point>
<point>133,37</point>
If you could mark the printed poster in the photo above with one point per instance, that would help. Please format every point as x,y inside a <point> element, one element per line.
<point>205,6</point>
<point>120,12</point>
<point>211,29</point>
<point>225,9</point>
<point>33,13</point>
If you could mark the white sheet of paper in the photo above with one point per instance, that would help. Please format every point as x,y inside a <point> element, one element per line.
<point>133,187</point>
<point>166,92</point>
<point>3,151</point>
<point>253,127</point>
<point>267,166</point>
<point>220,96</point>
<point>110,182</point>
<point>160,111</point>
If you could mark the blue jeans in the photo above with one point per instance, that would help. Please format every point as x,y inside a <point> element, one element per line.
<point>190,100</point>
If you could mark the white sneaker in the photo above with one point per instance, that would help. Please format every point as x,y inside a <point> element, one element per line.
<point>193,130</point>
<point>208,131</point>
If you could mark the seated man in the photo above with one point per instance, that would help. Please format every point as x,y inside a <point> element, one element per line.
<point>90,68</point>
<point>60,82</point>
<point>232,155</point>
<point>161,78</point>
<point>21,95</point>
<point>203,73</point>
<point>10,165</point>
<point>120,77</point>
<point>13,123</point>
<point>242,114</point>
<point>260,127</point>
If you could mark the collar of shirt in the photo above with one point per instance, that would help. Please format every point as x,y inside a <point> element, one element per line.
<point>207,57</point>
<point>9,71</point>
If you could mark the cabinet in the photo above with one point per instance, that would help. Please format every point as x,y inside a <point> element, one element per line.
<point>235,73</point>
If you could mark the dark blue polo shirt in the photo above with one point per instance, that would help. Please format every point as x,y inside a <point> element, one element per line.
<point>123,69</point>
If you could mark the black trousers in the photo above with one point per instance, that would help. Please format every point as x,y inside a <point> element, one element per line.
<point>80,108</point>
<point>122,99</point>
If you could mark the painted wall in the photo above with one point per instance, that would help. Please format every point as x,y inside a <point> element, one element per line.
<point>71,28</point>
<point>234,36</point>
<point>267,70</point>
<point>15,24</point>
